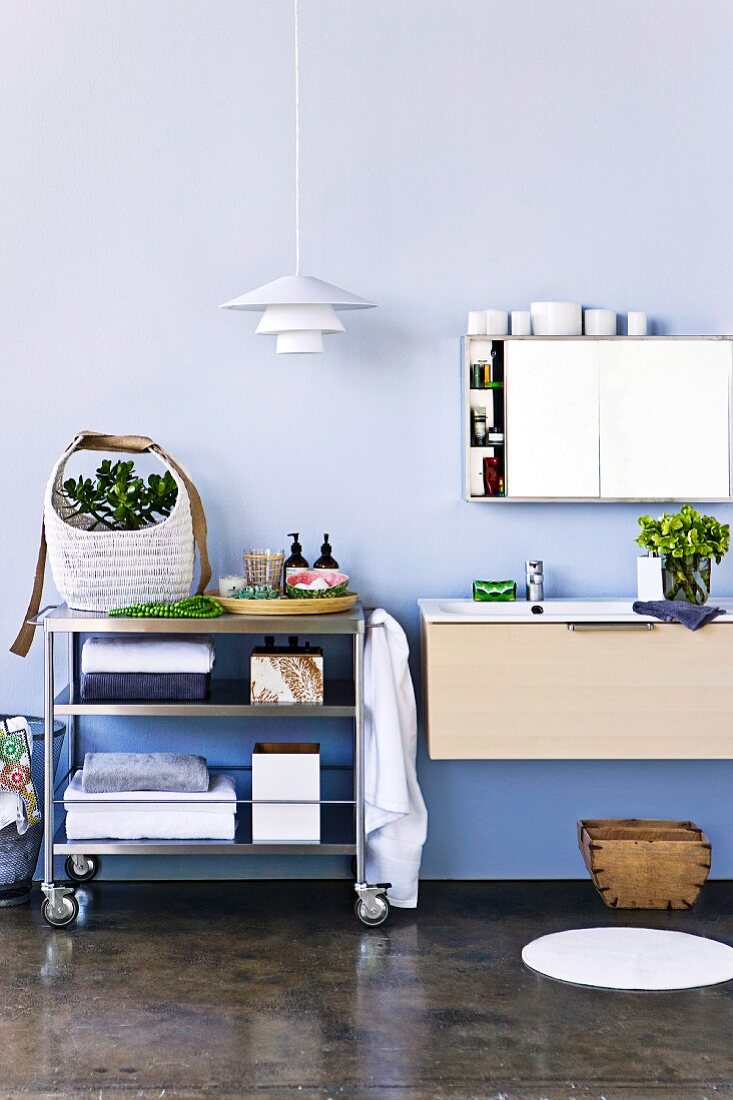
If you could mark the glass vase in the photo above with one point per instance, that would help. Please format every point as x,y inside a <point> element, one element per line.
<point>686,579</point>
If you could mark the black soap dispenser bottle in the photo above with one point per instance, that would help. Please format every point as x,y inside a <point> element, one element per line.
<point>326,560</point>
<point>296,561</point>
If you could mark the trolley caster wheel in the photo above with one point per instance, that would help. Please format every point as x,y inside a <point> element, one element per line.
<point>372,920</point>
<point>65,914</point>
<point>81,868</point>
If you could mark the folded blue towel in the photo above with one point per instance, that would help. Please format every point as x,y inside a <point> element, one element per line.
<point>138,686</point>
<point>676,611</point>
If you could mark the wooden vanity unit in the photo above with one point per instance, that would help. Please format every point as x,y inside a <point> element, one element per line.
<point>584,679</point>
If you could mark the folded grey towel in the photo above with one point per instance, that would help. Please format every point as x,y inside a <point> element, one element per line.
<point>677,611</point>
<point>108,772</point>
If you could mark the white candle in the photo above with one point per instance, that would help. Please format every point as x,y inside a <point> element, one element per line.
<point>497,322</point>
<point>521,322</point>
<point>229,585</point>
<point>600,322</point>
<point>636,322</point>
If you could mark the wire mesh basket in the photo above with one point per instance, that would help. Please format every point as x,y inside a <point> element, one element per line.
<point>19,854</point>
<point>264,567</point>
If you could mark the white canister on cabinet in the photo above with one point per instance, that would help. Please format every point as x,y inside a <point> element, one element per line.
<point>649,578</point>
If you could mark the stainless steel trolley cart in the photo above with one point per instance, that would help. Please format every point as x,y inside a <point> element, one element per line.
<point>228,699</point>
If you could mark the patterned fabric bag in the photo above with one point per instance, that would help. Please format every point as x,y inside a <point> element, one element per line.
<point>15,766</point>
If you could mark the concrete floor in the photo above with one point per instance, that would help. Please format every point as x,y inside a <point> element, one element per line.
<point>274,990</point>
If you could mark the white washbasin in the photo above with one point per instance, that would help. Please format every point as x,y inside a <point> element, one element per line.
<point>521,609</point>
<point>557,611</point>
<point>554,608</point>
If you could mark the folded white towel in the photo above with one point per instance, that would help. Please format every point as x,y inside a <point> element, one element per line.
<point>122,653</point>
<point>131,815</point>
<point>220,798</point>
<point>143,825</point>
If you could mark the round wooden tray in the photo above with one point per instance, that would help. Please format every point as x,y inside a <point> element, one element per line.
<point>326,605</point>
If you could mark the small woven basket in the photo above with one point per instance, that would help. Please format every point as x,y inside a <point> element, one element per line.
<point>99,570</point>
<point>263,567</point>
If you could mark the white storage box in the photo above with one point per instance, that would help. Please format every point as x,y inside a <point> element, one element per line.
<point>281,771</point>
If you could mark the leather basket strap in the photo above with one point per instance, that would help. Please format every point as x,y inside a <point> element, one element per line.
<point>23,642</point>
<point>127,444</point>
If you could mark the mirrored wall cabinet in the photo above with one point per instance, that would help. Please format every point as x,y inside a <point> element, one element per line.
<point>597,418</point>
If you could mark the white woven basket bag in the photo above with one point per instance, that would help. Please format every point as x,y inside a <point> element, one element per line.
<point>100,570</point>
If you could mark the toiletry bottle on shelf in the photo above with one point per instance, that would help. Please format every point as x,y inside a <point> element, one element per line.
<point>481,376</point>
<point>296,561</point>
<point>326,560</point>
<point>479,426</point>
<point>491,477</point>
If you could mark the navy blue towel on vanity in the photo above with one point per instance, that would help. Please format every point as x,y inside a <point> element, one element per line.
<point>673,611</point>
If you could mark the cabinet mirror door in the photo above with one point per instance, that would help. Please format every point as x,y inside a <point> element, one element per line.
<point>664,419</point>
<point>552,418</point>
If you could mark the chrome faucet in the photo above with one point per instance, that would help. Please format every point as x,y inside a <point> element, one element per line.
<point>535,581</point>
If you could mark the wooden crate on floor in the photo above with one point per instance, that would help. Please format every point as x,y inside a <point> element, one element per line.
<point>645,864</point>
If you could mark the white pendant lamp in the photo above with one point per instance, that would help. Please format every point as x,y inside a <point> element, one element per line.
<point>298,309</point>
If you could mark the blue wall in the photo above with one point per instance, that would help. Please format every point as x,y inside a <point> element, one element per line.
<point>455,156</point>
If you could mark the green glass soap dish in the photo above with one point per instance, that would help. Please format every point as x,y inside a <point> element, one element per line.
<point>494,591</point>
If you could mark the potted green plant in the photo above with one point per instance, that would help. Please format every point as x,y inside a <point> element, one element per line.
<point>686,542</point>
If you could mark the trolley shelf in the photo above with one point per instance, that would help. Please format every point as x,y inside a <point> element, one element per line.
<point>331,845</point>
<point>228,699</point>
<point>66,621</point>
<point>343,825</point>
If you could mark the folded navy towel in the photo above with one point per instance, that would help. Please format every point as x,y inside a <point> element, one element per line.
<point>112,772</point>
<point>676,611</point>
<point>138,686</point>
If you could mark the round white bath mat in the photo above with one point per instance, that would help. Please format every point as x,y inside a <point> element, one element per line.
<point>630,958</point>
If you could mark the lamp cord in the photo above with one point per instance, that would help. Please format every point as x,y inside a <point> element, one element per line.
<point>297,140</point>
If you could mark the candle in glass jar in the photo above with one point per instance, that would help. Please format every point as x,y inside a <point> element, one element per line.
<point>231,584</point>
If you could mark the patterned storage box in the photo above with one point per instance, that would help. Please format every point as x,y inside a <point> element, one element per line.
<point>286,674</point>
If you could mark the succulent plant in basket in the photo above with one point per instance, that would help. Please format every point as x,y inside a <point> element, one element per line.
<point>119,499</point>
<point>686,541</point>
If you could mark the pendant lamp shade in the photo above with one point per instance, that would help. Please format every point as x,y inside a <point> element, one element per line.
<point>298,290</point>
<point>299,309</point>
